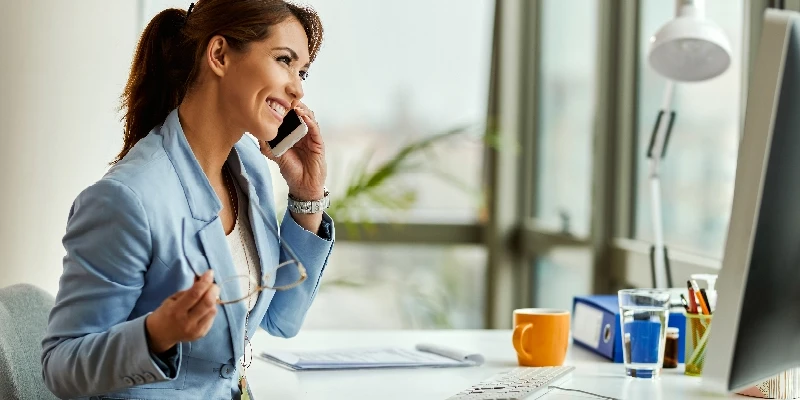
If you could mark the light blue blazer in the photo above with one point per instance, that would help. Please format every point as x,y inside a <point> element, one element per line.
<point>125,254</point>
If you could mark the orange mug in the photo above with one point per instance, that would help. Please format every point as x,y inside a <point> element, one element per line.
<point>541,336</point>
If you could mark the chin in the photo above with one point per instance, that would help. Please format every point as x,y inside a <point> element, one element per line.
<point>265,132</point>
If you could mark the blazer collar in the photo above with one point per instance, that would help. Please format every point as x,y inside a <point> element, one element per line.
<point>205,206</point>
<point>203,201</point>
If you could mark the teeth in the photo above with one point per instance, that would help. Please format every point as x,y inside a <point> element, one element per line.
<point>277,107</point>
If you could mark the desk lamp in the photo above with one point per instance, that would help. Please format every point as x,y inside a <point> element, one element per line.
<point>689,48</point>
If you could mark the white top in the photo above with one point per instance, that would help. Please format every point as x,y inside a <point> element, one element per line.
<point>243,249</point>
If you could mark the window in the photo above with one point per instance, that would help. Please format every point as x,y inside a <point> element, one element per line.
<point>699,168</point>
<point>560,276</point>
<point>368,286</point>
<point>567,93</point>
<point>394,72</point>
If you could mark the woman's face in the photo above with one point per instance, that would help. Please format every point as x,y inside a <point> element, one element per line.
<point>261,85</point>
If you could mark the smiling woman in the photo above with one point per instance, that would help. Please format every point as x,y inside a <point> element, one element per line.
<point>151,246</point>
<point>173,46</point>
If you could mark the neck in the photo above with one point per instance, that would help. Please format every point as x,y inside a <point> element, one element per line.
<point>209,134</point>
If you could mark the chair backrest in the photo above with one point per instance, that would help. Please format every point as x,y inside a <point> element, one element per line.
<point>24,310</point>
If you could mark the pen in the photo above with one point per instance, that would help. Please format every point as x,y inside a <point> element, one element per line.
<point>705,300</point>
<point>692,299</point>
<point>694,285</point>
<point>685,304</point>
<point>703,305</point>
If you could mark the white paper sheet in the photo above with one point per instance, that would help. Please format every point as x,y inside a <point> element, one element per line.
<point>425,355</point>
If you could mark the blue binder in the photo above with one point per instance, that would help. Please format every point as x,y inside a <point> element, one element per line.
<point>596,327</point>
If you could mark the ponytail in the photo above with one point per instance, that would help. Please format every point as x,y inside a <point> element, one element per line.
<point>165,61</point>
<point>158,77</point>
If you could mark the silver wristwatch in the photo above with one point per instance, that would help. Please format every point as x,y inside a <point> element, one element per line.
<point>309,207</point>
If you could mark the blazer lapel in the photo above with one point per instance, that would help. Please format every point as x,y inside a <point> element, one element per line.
<point>205,228</point>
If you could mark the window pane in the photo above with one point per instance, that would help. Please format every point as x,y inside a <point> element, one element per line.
<point>367,286</point>
<point>567,83</point>
<point>562,275</point>
<point>699,168</point>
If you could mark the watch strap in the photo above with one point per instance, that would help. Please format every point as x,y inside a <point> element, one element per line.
<point>309,207</point>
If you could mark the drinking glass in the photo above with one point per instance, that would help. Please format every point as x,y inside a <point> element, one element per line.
<point>644,315</point>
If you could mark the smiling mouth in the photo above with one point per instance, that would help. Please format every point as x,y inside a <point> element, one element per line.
<point>280,109</point>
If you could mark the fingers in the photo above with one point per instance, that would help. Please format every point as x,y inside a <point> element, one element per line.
<point>200,320</point>
<point>301,106</point>
<point>266,150</point>
<point>191,296</point>
<point>308,117</point>
<point>207,302</point>
<point>186,315</point>
<point>205,323</point>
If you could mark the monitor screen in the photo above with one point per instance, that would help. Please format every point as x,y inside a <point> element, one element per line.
<point>755,332</point>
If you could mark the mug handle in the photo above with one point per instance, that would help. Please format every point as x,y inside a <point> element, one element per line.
<point>520,332</point>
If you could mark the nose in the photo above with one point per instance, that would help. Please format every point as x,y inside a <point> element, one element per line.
<point>295,89</point>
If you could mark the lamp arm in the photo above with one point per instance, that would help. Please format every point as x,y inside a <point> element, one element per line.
<point>655,152</point>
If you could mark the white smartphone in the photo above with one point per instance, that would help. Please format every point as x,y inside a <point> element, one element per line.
<point>292,129</point>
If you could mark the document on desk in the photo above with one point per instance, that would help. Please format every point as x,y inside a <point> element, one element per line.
<point>423,355</point>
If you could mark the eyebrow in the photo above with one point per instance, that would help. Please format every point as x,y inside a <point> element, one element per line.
<point>292,53</point>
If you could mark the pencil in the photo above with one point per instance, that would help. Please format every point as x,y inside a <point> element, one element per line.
<point>702,302</point>
<point>705,300</point>
<point>692,299</point>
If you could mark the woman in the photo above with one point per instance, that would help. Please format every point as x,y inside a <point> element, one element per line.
<point>142,310</point>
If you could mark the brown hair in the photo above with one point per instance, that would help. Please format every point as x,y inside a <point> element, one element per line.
<point>166,61</point>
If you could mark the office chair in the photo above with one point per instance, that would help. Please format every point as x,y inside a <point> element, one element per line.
<point>24,310</point>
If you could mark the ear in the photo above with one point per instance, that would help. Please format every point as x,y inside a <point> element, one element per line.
<point>218,55</point>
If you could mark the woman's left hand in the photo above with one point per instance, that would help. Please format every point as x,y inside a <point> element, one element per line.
<point>303,166</point>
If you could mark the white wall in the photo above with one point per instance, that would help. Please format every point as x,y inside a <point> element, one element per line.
<point>63,65</point>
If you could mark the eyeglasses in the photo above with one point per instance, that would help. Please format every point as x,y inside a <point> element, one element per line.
<point>238,288</point>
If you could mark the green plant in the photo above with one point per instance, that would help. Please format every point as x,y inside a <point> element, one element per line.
<point>377,186</point>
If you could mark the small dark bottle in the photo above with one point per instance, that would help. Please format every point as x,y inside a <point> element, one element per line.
<point>671,348</point>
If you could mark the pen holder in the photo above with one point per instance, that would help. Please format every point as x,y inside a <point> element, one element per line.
<point>698,327</point>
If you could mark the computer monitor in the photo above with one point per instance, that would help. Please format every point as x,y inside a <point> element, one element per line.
<point>755,333</point>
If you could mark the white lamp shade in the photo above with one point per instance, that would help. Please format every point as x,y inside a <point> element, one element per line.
<point>689,49</point>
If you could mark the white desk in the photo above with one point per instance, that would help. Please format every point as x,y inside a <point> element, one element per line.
<point>592,373</point>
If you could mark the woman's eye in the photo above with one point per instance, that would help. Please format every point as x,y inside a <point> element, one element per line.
<point>303,75</point>
<point>285,59</point>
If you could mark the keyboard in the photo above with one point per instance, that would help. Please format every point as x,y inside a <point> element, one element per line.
<point>518,383</point>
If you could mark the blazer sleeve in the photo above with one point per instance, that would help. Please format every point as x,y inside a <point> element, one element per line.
<point>90,347</point>
<point>288,308</point>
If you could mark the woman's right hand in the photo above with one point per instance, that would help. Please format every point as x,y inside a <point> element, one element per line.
<point>185,316</point>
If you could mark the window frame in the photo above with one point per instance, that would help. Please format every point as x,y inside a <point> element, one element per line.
<point>629,255</point>
<point>620,261</point>
<point>512,236</point>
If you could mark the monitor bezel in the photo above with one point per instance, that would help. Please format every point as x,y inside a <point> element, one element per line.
<point>766,82</point>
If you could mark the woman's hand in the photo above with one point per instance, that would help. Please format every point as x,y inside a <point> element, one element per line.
<point>185,316</point>
<point>303,166</point>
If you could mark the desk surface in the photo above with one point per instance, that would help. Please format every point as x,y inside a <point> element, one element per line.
<point>592,372</point>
